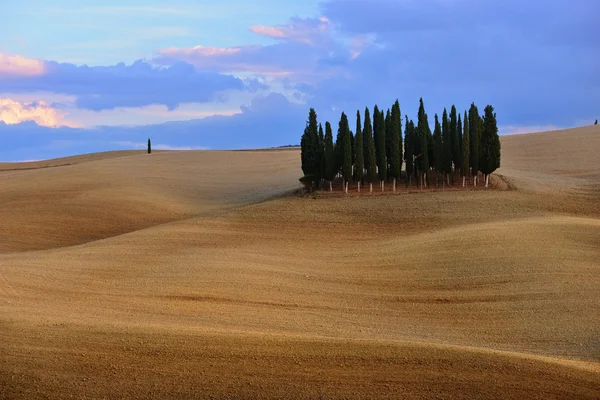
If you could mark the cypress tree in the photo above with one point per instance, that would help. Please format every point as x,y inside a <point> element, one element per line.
<point>446,146</point>
<point>438,148</point>
<point>329,155</point>
<point>423,132</point>
<point>458,145</point>
<point>466,150</point>
<point>359,152</point>
<point>409,150</point>
<point>388,137</point>
<point>345,148</point>
<point>380,148</point>
<point>453,139</point>
<point>320,170</point>
<point>596,123</point>
<point>375,126</point>
<point>475,133</point>
<point>395,159</point>
<point>489,144</point>
<point>370,157</point>
<point>309,144</point>
<point>149,146</point>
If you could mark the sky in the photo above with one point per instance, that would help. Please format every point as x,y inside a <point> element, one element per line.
<point>81,76</point>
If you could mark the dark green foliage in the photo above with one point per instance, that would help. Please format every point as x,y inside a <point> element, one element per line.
<point>454,143</point>
<point>329,153</point>
<point>380,146</point>
<point>370,157</point>
<point>388,137</point>
<point>345,147</point>
<point>375,125</point>
<point>395,133</point>
<point>475,133</point>
<point>423,132</point>
<point>409,148</point>
<point>466,148</point>
<point>309,144</point>
<point>446,144</point>
<point>458,145</point>
<point>596,123</point>
<point>149,146</point>
<point>359,152</point>
<point>438,148</point>
<point>489,143</point>
<point>320,170</point>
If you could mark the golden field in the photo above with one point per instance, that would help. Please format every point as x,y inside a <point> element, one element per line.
<point>197,274</point>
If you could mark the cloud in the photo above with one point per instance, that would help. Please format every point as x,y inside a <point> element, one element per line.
<point>304,49</point>
<point>12,66</point>
<point>135,85</point>
<point>13,112</point>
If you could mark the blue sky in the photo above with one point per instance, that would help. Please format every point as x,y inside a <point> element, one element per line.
<point>82,76</point>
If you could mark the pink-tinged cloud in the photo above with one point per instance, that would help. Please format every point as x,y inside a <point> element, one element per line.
<point>13,112</point>
<point>307,31</point>
<point>15,66</point>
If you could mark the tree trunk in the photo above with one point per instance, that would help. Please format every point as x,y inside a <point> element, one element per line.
<point>359,187</point>
<point>464,179</point>
<point>383,186</point>
<point>346,187</point>
<point>487,180</point>
<point>474,180</point>
<point>394,184</point>
<point>330,186</point>
<point>371,187</point>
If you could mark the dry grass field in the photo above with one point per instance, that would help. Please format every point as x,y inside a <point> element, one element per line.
<point>193,275</point>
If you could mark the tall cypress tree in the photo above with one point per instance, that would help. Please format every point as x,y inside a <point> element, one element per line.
<point>380,147</point>
<point>409,150</point>
<point>320,170</point>
<point>438,148</point>
<point>489,144</point>
<point>424,133</point>
<point>458,144</point>
<point>475,133</point>
<point>329,155</point>
<point>596,123</point>
<point>395,159</point>
<point>388,138</point>
<point>309,145</point>
<point>453,138</point>
<point>466,150</point>
<point>446,145</point>
<point>399,131</point>
<point>370,157</point>
<point>345,147</point>
<point>359,152</point>
<point>149,146</point>
<point>375,126</point>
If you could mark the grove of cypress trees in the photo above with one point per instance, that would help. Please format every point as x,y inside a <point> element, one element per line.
<point>465,148</point>
<point>308,146</point>
<point>475,132</point>
<point>489,144</point>
<point>329,155</point>
<point>395,158</point>
<point>359,152</point>
<point>409,150</point>
<point>438,150</point>
<point>149,146</point>
<point>370,157</point>
<point>447,146</point>
<point>380,149</point>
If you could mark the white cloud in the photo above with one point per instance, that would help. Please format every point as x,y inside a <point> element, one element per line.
<point>15,65</point>
<point>14,112</point>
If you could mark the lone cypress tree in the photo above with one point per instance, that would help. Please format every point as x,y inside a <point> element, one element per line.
<point>359,152</point>
<point>409,150</point>
<point>465,148</point>
<point>490,144</point>
<point>149,146</point>
<point>596,123</point>
<point>475,133</point>
<point>329,155</point>
<point>370,157</point>
<point>447,146</point>
<point>308,146</point>
<point>438,150</point>
<point>380,149</point>
<point>395,159</point>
